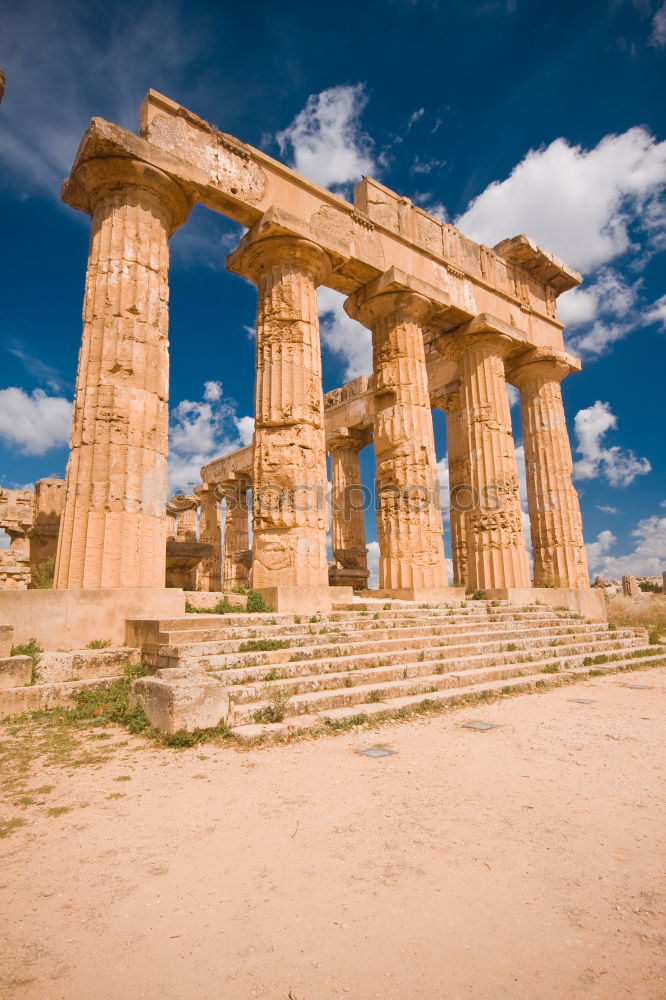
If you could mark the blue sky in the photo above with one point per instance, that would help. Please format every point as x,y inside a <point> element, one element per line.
<point>503,117</point>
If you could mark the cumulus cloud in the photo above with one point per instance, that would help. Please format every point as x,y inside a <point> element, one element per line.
<point>614,464</point>
<point>325,140</point>
<point>344,337</point>
<point>245,426</point>
<point>200,431</point>
<point>646,559</point>
<point>578,203</point>
<point>34,423</point>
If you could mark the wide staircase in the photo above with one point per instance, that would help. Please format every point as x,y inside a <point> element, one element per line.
<point>265,673</point>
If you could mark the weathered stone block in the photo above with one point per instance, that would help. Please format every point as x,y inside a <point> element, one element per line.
<point>6,639</point>
<point>82,664</point>
<point>15,671</point>
<point>192,702</point>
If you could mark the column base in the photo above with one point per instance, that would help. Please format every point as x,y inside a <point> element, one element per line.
<point>297,599</point>
<point>70,619</point>
<point>419,593</point>
<point>589,603</point>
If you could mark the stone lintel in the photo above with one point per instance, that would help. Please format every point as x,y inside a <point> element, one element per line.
<point>446,397</point>
<point>348,437</point>
<point>545,267</point>
<point>236,465</point>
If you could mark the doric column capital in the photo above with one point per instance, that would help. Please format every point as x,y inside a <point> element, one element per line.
<point>447,397</point>
<point>105,176</point>
<point>255,256</point>
<point>400,294</point>
<point>348,437</point>
<point>181,502</point>
<point>541,363</point>
<point>485,331</point>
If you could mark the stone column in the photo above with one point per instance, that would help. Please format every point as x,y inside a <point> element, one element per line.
<point>289,513</point>
<point>236,535</point>
<point>560,559</point>
<point>210,533</point>
<point>409,519</point>
<point>113,530</point>
<point>350,553</point>
<point>497,558</point>
<point>630,587</point>
<point>459,487</point>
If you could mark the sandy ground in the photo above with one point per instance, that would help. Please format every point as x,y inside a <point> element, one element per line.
<point>523,862</point>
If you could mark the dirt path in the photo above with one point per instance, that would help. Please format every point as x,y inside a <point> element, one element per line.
<point>525,862</point>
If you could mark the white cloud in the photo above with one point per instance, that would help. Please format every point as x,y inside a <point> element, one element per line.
<point>200,432</point>
<point>67,63</point>
<point>658,36</point>
<point>325,139</point>
<point>373,565</point>
<point>34,424</point>
<point>647,558</point>
<point>4,539</point>
<point>607,509</point>
<point>351,341</point>
<point>597,550</point>
<point>245,427</point>
<point>617,466</point>
<point>605,311</point>
<point>577,203</point>
<point>657,312</point>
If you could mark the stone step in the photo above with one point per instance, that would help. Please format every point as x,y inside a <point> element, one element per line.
<point>380,629</point>
<point>321,659</point>
<point>159,656</point>
<point>301,677</point>
<point>357,713</point>
<point>314,697</point>
<point>243,620</point>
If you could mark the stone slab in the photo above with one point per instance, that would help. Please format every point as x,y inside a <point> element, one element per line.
<point>589,603</point>
<point>418,594</point>
<point>84,664</point>
<point>15,671</point>
<point>206,600</point>
<point>40,697</point>
<point>6,639</point>
<point>70,619</point>
<point>298,599</point>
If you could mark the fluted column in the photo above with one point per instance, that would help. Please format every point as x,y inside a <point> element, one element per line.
<point>409,519</point>
<point>560,558</point>
<point>289,512</point>
<point>210,533</point>
<point>459,487</point>
<point>497,557</point>
<point>350,552</point>
<point>236,536</point>
<point>113,530</point>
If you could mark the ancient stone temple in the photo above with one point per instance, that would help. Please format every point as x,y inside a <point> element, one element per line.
<point>452,324</point>
<point>31,519</point>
